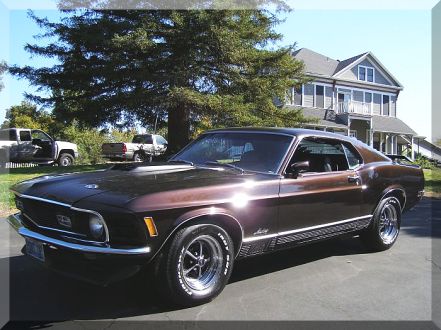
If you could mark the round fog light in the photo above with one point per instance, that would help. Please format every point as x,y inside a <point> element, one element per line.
<point>96,226</point>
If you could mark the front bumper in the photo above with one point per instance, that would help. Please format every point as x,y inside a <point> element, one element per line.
<point>15,222</point>
<point>98,265</point>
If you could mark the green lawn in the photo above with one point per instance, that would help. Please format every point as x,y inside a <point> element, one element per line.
<point>433,182</point>
<point>15,175</point>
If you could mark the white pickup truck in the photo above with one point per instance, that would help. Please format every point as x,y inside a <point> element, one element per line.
<point>141,145</point>
<point>26,145</point>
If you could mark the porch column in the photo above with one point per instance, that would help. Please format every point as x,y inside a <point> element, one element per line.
<point>381,142</point>
<point>371,131</point>
<point>412,155</point>
<point>396,144</point>
<point>349,126</point>
<point>386,142</point>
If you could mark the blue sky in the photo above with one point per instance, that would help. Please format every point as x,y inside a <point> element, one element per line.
<point>400,39</point>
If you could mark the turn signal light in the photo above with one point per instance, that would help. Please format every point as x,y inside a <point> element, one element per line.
<point>151,227</point>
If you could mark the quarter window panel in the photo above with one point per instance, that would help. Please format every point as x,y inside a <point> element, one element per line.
<point>352,156</point>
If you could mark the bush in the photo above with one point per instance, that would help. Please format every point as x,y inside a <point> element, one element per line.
<point>424,162</point>
<point>89,141</point>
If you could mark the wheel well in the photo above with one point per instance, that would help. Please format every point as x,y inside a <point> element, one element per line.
<point>399,194</point>
<point>228,223</point>
<point>66,151</point>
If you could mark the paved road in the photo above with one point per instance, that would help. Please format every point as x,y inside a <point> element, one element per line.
<point>333,280</point>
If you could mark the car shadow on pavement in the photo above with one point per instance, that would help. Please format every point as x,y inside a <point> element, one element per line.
<point>424,220</point>
<point>38,294</point>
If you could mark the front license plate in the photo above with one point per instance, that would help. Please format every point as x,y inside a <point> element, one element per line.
<point>34,249</point>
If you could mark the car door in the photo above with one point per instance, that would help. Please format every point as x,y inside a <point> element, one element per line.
<point>44,145</point>
<point>327,193</point>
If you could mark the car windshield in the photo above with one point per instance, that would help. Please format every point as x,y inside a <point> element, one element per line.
<point>248,151</point>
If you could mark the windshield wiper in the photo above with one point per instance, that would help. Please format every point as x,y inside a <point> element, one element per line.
<point>226,165</point>
<point>181,161</point>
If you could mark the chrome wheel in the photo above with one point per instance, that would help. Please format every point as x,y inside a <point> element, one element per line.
<point>388,224</point>
<point>202,263</point>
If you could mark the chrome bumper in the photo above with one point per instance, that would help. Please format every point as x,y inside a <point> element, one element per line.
<point>15,222</point>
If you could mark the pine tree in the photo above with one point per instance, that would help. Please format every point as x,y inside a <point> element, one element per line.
<point>192,67</point>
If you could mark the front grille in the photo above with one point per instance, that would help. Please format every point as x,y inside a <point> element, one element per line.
<point>44,216</point>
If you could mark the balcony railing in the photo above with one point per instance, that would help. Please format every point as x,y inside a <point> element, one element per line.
<point>355,107</point>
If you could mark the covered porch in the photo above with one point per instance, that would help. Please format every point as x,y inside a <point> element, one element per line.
<point>388,135</point>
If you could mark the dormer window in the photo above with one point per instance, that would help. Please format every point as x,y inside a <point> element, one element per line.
<point>365,73</point>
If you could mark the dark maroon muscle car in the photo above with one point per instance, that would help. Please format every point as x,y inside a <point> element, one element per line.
<point>230,194</point>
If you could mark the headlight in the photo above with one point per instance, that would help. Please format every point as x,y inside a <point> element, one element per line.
<point>96,226</point>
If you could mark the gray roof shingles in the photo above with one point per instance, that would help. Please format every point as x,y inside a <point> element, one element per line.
<point>379,123</point>
<point>316,63</point>
<point>391,125</point>
<point>319,64</point>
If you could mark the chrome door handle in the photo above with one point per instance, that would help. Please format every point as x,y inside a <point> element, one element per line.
<point>354,178</point>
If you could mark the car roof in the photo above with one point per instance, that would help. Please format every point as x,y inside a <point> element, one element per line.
<point>286,131</point>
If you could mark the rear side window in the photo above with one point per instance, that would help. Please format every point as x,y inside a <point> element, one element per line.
<point>25,136</point>
<point>323,155</point>
<point>160,140</point>
<point>353,157</point>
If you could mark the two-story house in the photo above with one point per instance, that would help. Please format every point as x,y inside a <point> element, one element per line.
<point>357,96</point>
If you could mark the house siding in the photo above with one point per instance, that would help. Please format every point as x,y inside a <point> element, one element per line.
<point>309,95</point>
<point>353,73</point>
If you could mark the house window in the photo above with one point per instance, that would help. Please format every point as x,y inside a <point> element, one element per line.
<point>367,97</point>
<point>298,95</point>
<point>386,105</point>
<point>320,96</point>
<point>365,73</point>
<point>370,74</point>
<point>289,96</point>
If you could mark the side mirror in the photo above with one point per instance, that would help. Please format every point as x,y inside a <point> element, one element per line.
<point>299,167</point>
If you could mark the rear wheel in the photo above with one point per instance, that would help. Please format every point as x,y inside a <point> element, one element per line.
<point>137,157</point>
<point>385,227</point>
<point>65,160</point>
<point>197,264</point>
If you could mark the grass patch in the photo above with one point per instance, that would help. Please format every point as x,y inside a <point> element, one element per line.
<point>433,182</point>
<point>13,176</point>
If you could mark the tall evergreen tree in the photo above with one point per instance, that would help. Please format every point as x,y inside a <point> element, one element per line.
<point>217,67</point>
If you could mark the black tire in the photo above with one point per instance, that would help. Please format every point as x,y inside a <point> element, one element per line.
<point>383,231</point>
<point>180,275</point>
<point>137,157</point>
<point>65,160</point>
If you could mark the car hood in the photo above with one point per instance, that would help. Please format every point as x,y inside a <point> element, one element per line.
<point>120,184</point>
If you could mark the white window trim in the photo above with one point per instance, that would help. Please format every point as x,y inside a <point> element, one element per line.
<point>366,68</point>
<point>353,133</point>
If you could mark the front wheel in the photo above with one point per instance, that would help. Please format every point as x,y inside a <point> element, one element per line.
<point>65,160</point>
<point>196,266</point>
<point>385,227</point>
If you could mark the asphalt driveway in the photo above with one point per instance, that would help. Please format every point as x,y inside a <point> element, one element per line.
<point>333,280</point>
